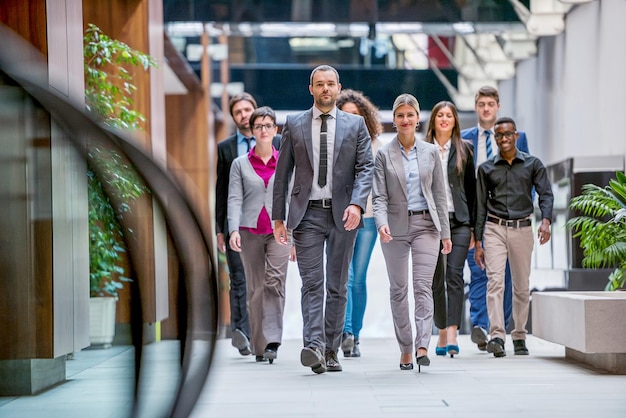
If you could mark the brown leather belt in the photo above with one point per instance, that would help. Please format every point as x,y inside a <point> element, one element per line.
<point>321,203</point>
<point>418,212</point>
<point>514,223</point>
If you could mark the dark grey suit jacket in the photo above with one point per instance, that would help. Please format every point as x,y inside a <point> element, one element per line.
<point>352,167</point>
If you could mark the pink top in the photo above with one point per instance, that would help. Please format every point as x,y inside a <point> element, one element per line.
<point>265,171</point>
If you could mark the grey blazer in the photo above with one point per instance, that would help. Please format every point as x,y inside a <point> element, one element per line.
<point>352,167</point>
<point>389,197</point>
<point>247,195</point>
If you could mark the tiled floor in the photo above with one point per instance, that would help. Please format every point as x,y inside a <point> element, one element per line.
<point>473,384</point>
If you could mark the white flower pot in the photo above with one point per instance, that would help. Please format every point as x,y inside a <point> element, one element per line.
<point>102,321</point>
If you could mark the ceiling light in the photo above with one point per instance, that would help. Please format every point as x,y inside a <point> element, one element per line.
<point>463,28</point>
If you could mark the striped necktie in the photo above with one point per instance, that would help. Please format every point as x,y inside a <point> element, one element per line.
<point>488,144</point>
<point>323,167</point>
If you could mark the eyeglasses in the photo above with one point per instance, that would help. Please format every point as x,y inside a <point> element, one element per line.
<point>267,126</point>
<point>508,134</point>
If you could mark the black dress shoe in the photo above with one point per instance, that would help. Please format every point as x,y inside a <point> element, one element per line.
<point>313,358</point>
<point>241,342</point>
<point>479,337</point>
<point>520,348</point>
<point>355,351</point>
<point>332,363</point>
<point>347,344</point>
<point>496,346</point>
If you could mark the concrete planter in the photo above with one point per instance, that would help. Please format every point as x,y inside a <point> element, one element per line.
<point>102,321</point>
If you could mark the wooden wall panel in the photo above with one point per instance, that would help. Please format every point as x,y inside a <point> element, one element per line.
<point>26,279</point>
<point>27,18</point>
<point>188,160</point>
<point>128,21</point>
<point>18,304</point>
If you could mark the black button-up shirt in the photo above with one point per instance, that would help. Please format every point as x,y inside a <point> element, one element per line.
<point>505,190</point>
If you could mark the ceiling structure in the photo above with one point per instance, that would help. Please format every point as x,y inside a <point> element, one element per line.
<point>481,40</point>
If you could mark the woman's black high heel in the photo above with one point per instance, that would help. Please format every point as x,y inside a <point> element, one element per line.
<point>406,366</point>
<point>422,361</point>
<point>271,352</point>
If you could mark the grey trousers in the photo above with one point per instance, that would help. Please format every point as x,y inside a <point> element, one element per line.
<point>323,318</point>
<point>265,262</point>
<point>516,245</point>
<point>422,243</point>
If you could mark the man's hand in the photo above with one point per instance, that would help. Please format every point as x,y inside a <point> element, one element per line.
<point>235,241</point>
<point>447,246</point>
<point>280,233</point>
<point>544,232</point>
<point>352,217</point>
<point>292,253</point>
<point>221,243</point>
<point>385,234</point>
<point>479,254</point>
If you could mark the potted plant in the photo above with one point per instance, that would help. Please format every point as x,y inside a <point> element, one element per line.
<point>108,94</point>
<point>602,228</point>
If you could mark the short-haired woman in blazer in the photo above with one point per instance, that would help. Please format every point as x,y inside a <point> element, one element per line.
<point>457,164</point>
<point>250,191</point>
<point>411,213</point>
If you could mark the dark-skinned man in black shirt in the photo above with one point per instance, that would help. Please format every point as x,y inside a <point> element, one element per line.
<point>504,209</point>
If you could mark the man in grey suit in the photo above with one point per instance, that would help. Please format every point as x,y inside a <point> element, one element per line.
<point>329,153</point>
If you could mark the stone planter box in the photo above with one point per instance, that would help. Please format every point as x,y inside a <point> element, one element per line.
<point>591,326</point>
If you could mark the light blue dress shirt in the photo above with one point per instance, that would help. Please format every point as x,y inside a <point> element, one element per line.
<point>242,146</point>
<point>415,196</point>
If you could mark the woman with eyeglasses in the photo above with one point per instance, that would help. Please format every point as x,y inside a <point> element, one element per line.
<point>409,199</point>
<point>251,233</point>
<point>457,164</point>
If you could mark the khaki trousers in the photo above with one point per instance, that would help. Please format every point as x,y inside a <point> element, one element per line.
<point>516,244</point>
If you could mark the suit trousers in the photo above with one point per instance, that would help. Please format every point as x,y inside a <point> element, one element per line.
<point>448,284</point>
<point>422,241</point>
<point>323,318</point>
<point>265,262</point>
<point>516,244</point>
<point>237,292</point>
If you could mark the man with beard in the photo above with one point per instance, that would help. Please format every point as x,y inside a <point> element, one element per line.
<point>328,153</point>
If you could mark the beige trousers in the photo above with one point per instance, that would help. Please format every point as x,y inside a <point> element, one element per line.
<point>516,245</point>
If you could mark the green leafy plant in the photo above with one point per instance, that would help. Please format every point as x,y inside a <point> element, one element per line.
<point>602,227</point>
<point>108,84</point>
<point>108,94</point>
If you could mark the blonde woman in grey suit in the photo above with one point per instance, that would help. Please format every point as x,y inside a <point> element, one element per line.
<point>411,212</point>
<point>264,261</point>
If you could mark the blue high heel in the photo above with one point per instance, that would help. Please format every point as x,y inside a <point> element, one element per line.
<point>441,351</point>
<point>452,349</point>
